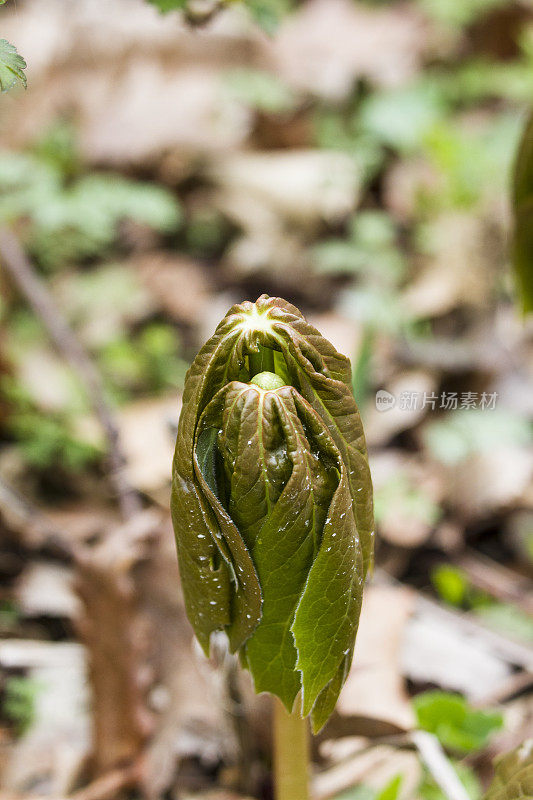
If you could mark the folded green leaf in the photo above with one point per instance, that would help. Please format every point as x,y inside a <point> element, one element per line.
<point>272,502</point>
<point>514,775</point>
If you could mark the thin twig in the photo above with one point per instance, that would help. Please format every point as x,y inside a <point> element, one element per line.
<point>499,581</point>
<point>511,650</point>
<point>345,774</point>
<point>36,293</point>
<point>514,685</point>
<point>438,764</point>
<point>508,649</point>
<point>110,784</point>
<point>20,514</point>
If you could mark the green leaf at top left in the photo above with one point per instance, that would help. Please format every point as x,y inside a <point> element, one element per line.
<point>12,66</point>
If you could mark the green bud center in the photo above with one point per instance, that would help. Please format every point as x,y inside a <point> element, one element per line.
<point>268,381</point>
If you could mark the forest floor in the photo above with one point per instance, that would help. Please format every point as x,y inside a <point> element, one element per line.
<point>354,159</point>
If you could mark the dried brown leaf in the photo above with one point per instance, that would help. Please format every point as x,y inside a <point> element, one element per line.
<point>146,431</point>
<point>329,44</point>
<point>179,285</point>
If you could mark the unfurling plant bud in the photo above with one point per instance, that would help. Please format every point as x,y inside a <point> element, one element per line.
<point>272,502</point>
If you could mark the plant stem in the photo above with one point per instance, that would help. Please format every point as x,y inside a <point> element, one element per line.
<point>291,755</point>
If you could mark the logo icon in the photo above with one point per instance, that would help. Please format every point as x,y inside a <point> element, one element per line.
<point>385,400</point>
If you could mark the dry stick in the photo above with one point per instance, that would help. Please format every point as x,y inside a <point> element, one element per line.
<point>118,738</point>
<point>36,293</point>
<point>109,784</point>
<point>511,650</point>
<point>514,685</point>
<point>437,763</point>
<point>326,786</point>
<point>102,788</point>
<point>430,751</point>
<point>20,513</point>
<point>499,581</point>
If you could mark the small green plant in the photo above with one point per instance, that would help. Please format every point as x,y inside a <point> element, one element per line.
<point>389,792</point>
<point>147,362</point>
<point>20,694</point>
<point>45,440</point>
<point>267,13</point>
<point>9,615</point>
<point>454,722</point>
<point>402,118</point>
<point>507,619</point>
<point>370,250</point>
<point>262,91</point>
<point>71,216</point>
<point>451,584</point>
<point>401,496</point>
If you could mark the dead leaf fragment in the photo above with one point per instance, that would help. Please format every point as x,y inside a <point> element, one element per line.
<point>50,754</point>
<point>146,431</point>
<point>45,589</point>
<point>328,44</point>
<point>408,390</point>
<point>489,481</point>
<point>179,285</point>
<point>436,651</point>
<point>374,768</point>
<point>303,185</point>
<point>460,271</point>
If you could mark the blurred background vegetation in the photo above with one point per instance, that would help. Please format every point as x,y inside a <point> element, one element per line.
<point>354,158</point>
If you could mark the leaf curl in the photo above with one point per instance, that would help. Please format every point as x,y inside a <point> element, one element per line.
<point>272,502</point>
